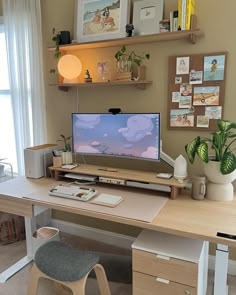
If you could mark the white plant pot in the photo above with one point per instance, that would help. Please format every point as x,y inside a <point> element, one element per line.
<point>67,158</point>
<point>219,186</point>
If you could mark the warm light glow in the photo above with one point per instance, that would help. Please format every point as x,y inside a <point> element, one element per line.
<point>70,67</point>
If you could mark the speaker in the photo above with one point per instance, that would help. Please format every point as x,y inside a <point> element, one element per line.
<point>38,159</point>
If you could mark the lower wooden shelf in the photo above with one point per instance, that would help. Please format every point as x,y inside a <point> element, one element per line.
<point>124,177</point>
<point>141,84</point>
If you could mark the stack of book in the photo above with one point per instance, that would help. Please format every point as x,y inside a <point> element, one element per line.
<point>125,76</point>
<point>185,11</point>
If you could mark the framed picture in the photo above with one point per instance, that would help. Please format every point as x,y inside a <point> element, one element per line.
<point>146,16</point>
<point>101,19</point>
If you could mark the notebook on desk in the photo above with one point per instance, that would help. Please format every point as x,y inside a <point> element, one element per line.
<point>107,200</point>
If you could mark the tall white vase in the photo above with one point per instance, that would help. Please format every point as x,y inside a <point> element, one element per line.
<point>219,186</point>
<point>67,158</point>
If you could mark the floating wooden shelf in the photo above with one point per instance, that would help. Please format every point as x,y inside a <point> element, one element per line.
<point>188,34</point>
<point>139,84</point>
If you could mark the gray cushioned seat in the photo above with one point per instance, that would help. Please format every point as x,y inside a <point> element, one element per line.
<point>64,263</point>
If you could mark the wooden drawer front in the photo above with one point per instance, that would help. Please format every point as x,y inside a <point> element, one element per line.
<point>148,285</point>
<point>173,269</point>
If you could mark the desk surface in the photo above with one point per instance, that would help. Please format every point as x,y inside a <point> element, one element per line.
<point>183,216</point>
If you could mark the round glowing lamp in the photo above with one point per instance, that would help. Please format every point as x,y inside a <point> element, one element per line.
<point>70,67</point>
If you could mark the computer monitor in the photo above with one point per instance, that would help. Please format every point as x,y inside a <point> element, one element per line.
<point>135,135</point>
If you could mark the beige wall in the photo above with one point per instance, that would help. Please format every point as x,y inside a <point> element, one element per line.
<point>1,13</point>
<point>217,38</point>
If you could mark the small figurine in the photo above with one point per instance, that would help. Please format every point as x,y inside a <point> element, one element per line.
<point>129,29</point>
<point>87,76</point>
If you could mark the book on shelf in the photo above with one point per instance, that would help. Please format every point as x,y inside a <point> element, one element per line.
<point>190,7</point>
<point>173,20</point>
<point>185,11</point>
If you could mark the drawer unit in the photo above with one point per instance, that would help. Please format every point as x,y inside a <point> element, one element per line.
<point>165,267</point>
<point>168,264</point>
<point>148,285</point>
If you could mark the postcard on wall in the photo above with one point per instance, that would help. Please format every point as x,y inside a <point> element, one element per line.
<point>178,80</point>
<point>214,112</point>
<point>176,96</point>
<point>214,67</point>
<point>185,102</point>
<point>182,65</point>
<point>206,95</point>
<point>185,89</point>
<point>203,121</point>
<point>195,77</point>
<point>181,118</point>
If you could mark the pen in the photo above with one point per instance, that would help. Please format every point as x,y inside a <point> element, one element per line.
<point>108,169</point>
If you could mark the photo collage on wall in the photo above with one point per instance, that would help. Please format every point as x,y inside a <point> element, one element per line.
<point>196,90</point>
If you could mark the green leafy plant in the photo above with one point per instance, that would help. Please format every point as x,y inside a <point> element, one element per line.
<point>221,142</point>
<point>57,39</point>
<point>132,57</point>
<point>66,143</point>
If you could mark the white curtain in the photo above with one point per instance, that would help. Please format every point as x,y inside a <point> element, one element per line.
<point>22,20</point>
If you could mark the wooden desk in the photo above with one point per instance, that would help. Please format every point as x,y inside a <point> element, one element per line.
<point>182,216</point>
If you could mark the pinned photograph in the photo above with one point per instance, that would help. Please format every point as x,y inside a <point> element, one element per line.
<point>185,102</point>
<point>176,96</point>
<point>206,95</point>
<point>214,112</point>
<point>182,65</point>
<point>203,121</point>
<point>178,80</point>
<point>185,89</point>
<point>181,118</point>
<point>214,67</point>
<point>195,77</point>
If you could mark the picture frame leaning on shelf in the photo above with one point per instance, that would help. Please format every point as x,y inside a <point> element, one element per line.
<point>146,16</point>
<point>101,20</point>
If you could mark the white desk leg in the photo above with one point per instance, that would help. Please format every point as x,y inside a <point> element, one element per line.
<point>30,228</point>
<point>221,270</point>
<point>30,225</point>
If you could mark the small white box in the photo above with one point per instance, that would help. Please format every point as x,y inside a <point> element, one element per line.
<point>37,159</point>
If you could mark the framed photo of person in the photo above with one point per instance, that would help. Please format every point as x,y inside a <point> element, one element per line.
<point>101,20</point>
<point>146,16</point>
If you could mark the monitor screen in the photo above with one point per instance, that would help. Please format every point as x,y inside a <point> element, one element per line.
<point>122,135</point>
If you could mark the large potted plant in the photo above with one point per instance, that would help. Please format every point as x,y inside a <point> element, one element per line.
<point>219,168</point>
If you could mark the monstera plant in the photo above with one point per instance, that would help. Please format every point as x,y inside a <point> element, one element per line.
<point>222,143</point>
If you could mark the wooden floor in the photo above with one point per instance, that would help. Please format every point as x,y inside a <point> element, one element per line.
<point>17,285</point>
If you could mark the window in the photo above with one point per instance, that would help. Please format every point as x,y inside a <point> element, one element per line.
<point>7,137</point>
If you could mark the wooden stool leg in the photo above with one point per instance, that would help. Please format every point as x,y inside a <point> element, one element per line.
<point>102,280</point>
<point>78,287</point>
<point>33,280</point>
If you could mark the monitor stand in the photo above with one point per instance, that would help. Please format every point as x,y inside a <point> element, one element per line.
<point>166,158</point>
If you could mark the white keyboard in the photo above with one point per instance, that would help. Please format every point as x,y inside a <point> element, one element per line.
<point>73,192</point>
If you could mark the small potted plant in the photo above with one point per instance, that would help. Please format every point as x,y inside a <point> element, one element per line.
<point>66,149</point>
<point>221,167</point>
<point>56,38</point>
<point>125,61</point>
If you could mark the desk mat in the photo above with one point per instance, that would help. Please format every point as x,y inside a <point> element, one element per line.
<point>138,204</point>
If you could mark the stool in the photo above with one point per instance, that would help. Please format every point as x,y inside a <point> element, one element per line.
<point>62,264</point>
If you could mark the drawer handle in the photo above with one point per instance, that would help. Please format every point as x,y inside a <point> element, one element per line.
<point>163,257</point>
<point>186,292</point>
<point>162,280</point>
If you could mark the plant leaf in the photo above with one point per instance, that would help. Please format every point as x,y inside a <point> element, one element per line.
<point>202,151</point>
<point>228,163</point>
<point>191,149</point>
